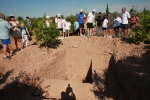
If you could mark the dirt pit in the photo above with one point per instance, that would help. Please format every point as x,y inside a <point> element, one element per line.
<point>90,69</point>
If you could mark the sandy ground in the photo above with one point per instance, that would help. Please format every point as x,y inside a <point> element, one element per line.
<point>65,68</point>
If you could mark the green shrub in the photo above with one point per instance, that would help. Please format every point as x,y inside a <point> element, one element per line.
<point>43,34</point>
<point>143,32</point>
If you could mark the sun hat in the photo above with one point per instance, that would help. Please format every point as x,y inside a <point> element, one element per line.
<point>81,10</point>
<point>47,16</point>
<point>93,10</point>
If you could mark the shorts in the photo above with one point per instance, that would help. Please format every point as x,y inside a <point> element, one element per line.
<point>89,25</point>
<point>81,25</point>
<point>67,31</point>
<point>60,29</point>
<point>85,26</point>
<point>124,26</point>
<point>116,28</point>
<point>104,28</point>
<point>5,41</point>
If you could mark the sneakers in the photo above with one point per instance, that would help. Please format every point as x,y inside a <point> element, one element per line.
<point>7,57</point>
<point>109,36</point>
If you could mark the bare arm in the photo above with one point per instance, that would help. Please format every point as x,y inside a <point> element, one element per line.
<point>28,32</point>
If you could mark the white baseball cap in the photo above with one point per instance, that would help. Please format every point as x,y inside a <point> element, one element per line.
<point>81,10</point>
<point>47,16</point>
<point>93,10</point>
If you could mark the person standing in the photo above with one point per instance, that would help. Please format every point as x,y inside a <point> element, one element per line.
<point>58,22</point>
<point>105,26</point>
<point>25,35</point>
<point>124,24</point>
<point>99,22</point>
<point>90,20</point>
<point>110,25</point>
<point>67,27</point>
<point>16,34</point>
<point>76,26</point>
<point>63,26</point>
<point>47,21</point>
<point>5,36</point>
<point>117,23</point>
<point>28,21</point>
<point>81,21</point>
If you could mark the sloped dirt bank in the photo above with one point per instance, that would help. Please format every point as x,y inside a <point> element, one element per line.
<point>133,75</point>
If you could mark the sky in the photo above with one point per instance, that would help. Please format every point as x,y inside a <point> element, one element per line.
<point>36,8</point>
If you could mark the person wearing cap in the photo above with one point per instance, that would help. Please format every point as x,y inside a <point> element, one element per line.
<point>99,22</point>
<point>110,25</point>
<point>16,34</point>
<point>90,20</point>
<point>81,21</point>
<point>47,21</point>
<point>56,18</point>
<point>63,26</point>
<point>28,21</point>
<point>5,36</point>
<point>58,22</point>
<point>125,16</point>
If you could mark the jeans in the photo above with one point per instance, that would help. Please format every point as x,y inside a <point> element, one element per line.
<point>99,30</point>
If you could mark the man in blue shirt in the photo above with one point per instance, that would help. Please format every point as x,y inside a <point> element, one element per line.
<point>81,21</point>
<point>5,36</point>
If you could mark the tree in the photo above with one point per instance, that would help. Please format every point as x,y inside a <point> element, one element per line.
<point>107,9</point>
<point>43,34</point>
<point>7,18</point>
<point>20,18</point>
<point>132,10</point>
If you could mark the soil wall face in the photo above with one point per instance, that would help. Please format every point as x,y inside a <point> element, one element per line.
<point>132,79</point>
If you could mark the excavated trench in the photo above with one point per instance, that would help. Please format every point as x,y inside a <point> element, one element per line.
<point>111,77</point>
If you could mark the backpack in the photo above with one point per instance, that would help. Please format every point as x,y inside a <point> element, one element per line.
<point>23,31</point>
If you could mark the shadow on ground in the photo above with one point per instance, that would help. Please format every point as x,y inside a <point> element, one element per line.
<point>54,45</point>
<point>127,79</point>
<point>68,94</point>
<point>22,87</point>
<point>133,75</point>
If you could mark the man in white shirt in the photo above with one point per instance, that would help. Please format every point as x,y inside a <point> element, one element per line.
<point>90,20</point>
<point>125,17</point>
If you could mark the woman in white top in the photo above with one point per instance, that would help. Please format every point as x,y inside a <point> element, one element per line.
<point>16,34</point>
<point>105,26</point>
<point>47,21</point>
<point>117,23</point>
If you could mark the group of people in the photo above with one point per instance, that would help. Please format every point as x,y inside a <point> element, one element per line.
<point>84,25</point>
<point>18,31</point>
<point>106,26</point>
